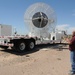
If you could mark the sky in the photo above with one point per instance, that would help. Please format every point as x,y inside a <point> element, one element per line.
<point>12,13</point>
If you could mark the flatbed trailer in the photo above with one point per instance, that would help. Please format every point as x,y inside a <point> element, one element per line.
<point>22,42</point>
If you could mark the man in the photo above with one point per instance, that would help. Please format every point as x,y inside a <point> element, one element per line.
<point>72,52</point>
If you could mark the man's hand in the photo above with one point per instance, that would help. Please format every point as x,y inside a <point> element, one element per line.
<point>67,40</point>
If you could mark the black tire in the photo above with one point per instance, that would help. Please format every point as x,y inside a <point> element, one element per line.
<point>31,45</point>
<point>20,46</point>
<point>4,47</point>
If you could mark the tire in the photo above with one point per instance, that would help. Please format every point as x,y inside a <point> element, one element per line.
<point>4,47</point>
<point>31,45</point>
<point>20,46</point>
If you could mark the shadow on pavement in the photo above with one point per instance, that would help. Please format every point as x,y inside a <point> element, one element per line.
<point>58,46</point>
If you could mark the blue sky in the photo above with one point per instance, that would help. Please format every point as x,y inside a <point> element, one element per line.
<point>12,13</point>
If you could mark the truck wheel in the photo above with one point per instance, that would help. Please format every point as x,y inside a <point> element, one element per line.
<point>20,46</point>
<point>4,47</point>
<point>31,45</point>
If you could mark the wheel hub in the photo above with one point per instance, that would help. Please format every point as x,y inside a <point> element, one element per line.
<point>31,45</point>
<point>22,46</point>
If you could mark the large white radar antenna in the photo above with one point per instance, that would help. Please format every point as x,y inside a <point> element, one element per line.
<point>41,19</point>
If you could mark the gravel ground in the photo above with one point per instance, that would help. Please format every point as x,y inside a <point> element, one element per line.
<point>44,60</point>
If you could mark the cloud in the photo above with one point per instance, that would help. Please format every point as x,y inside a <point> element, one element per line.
<point>65,27</point>
<point>70,30</point>
<point>62,27</point>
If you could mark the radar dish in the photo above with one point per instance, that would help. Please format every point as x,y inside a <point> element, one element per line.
<point>41,19</point>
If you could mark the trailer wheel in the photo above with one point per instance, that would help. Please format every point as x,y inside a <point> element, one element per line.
<point>20,46</point>
<point>31,45</point>
<point>4,47</point>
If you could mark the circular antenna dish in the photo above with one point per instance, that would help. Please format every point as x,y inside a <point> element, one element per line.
<point>41,19</point>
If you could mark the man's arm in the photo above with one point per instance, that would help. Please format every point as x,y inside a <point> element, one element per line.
<point>71,41</point>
